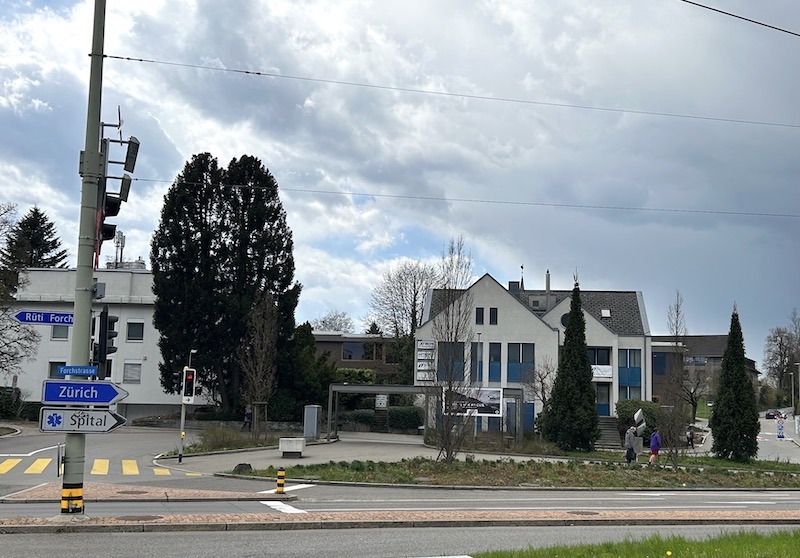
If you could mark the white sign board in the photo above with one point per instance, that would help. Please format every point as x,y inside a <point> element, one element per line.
<point>88,421</point>
<point>477,402</point>
<point>426,345</point>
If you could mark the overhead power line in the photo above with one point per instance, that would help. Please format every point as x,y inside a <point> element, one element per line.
<point>452,94</point>
<point>509,202</point>
<point>741,17</point>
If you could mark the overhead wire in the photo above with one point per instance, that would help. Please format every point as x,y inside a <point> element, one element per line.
<point>472,96</point>
<point>504,202</point>
<point>741,17</point>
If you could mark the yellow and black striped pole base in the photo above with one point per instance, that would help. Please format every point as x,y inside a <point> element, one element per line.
<point>72,498</point>
<point>281,481</point>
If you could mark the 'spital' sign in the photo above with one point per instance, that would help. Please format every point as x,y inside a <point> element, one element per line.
<point>88,421</point>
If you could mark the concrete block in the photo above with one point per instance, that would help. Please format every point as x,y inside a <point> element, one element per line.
<point>292,447</point>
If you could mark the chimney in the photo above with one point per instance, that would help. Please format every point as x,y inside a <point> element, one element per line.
<point>547,291</point>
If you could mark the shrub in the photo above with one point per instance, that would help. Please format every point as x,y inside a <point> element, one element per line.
<point>405,418</point>
<point>626,409</point>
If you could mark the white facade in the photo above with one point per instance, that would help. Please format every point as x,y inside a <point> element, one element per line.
<point>134,366</point>
<point>507,322</point>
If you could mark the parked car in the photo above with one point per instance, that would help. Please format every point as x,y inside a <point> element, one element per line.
<point>773,414</point>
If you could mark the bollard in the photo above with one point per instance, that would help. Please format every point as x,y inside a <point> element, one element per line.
<point>281,481</point>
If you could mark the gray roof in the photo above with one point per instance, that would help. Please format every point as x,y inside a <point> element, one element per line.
<point>701,345</point>
<point>626,313</point>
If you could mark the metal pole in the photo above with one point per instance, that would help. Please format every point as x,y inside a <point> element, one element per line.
<point>90,171</point>
<point>183,432</point>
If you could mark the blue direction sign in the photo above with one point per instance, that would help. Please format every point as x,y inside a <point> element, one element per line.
<point>77,370</point>
<point>72,392</point>
<point>36,317</point>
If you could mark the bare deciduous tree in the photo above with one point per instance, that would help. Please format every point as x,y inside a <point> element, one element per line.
<point>397,301</point>
<point>452,331</point>
<point>257,357</point>
<point>538,381</point>
<point>18,342</point>
<point>684,387</point>
<point>334,320</point>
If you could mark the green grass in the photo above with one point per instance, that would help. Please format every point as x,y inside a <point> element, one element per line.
<point>738,545</point>
<point>531,473</point>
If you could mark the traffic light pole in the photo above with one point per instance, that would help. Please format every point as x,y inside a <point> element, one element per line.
<point>183,432</point>
<point>90,171</point>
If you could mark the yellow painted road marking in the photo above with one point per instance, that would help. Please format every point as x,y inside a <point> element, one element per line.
<point>38,466</point>
<point>130,467</point>
<point>8,464</point>
<point>161,471</point>
<point>194,474</point>
<point>100,467</point>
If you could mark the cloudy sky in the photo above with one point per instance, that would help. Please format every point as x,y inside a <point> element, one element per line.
<point>649,145</point>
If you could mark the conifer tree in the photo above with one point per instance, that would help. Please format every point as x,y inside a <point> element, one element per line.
<point>222,243</point>
<point>570,421</point>
<point>734,422</point>
<point>30,243</point>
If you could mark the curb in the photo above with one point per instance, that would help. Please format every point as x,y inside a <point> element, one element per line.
<point>378,524</point>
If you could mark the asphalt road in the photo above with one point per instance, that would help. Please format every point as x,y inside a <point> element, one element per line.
<point>350,543</point>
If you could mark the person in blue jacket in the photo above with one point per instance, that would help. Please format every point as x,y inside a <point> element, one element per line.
<point>655,446</point>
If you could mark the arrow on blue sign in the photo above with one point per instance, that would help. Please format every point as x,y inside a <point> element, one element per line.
<point>69,392</point>
<point>54,318</point>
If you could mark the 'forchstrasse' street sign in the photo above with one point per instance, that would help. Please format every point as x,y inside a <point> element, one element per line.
<point>54,318</point>
<point>88,421</point>
<point>77,370</point>
<point>81,392</point>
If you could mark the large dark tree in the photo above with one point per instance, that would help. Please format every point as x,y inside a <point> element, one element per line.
<point>222,243</point>
<point>734,422</point>
<point>32,242</point>
<point>570,421</point>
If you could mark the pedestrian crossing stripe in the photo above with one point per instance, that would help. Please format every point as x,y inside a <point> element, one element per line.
<point>38,466</point>
<point>99,467</point>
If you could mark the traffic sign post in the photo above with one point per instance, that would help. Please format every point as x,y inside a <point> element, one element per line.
<point>83,421</point>
<point>48,318</point>
<point>81,392</point>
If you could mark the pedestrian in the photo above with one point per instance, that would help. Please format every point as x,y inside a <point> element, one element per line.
<point>248,418</point>
<point>630,452</point>
<point>655,446</point>
<point>690,438</point>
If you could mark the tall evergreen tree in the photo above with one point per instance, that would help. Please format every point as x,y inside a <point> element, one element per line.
<point>222,242</point>
<point>734,422</point>
<point>570,421</point>
<point>32,242</point>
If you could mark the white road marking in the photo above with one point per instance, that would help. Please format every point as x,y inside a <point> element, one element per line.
<point>287,488</point>
<point>281,507</point>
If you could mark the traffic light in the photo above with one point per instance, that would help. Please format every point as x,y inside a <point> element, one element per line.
<point>109,204</point>
<point>105,341</point>
<point>188,384</point>
<point>177,381</point>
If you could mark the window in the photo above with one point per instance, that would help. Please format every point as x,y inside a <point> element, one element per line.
<point>495,362</point>
<point>362,351</point>
<point>479,316</point>
<point>492,316</point>
<point>599,356</point>
<point>630,358</point>
<point>59,332</point>
<point>53,369</point>
<point>132,373</point>
<point>135,331</point>
<point>451,362</point>
<point>520,361</point>
<point>476,362</point>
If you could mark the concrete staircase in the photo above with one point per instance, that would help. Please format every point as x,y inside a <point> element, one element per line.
<point>609,435</point>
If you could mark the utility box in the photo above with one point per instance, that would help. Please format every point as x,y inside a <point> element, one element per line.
<point>312,421</point>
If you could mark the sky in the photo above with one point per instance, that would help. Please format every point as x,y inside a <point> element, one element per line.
<point>646,145</point>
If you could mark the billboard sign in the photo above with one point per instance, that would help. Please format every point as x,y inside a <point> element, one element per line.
<point>476,402</point>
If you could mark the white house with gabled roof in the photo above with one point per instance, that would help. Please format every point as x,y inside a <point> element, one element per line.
<point>515,330</point>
